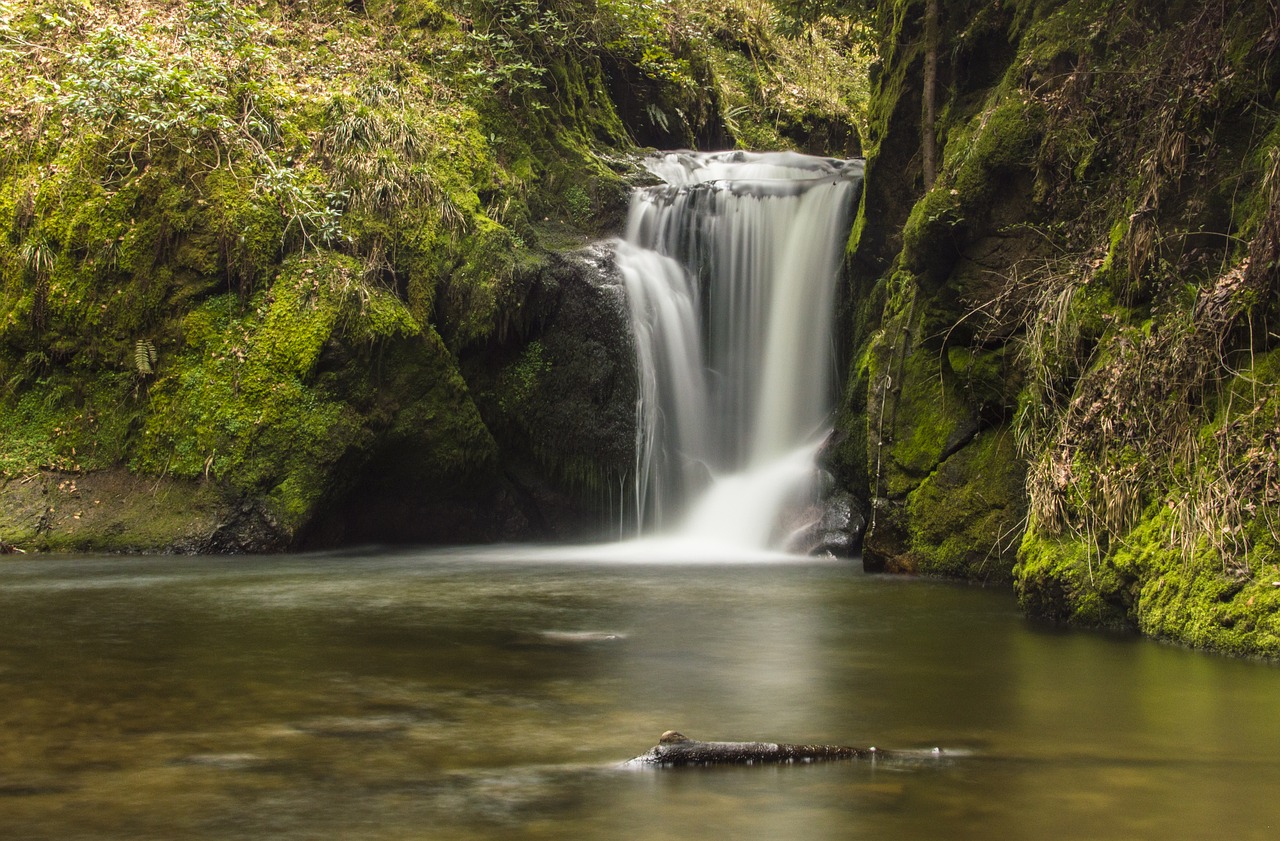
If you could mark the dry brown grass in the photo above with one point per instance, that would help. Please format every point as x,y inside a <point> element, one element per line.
<point>1131,350</point>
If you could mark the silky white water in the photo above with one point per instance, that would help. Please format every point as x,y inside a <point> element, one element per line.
<point>731,269</point>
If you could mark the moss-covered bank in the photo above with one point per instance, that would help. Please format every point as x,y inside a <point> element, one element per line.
<point>1070,378</point>
<point>290,267</point>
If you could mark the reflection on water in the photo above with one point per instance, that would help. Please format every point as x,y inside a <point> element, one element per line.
<point>479,694</point>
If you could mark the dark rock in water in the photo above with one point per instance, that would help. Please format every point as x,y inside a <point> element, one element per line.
<point>842,525</point>
<point>246,528</point>
<point>675,749</point>
<point>835,529</point>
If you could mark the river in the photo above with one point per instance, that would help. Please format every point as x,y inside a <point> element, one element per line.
<point>495,693</point>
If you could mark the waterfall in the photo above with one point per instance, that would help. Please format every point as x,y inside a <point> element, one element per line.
<point>730,268</point>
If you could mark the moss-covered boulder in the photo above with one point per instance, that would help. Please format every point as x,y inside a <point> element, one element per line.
<point>565,405</point>
<point>548,441</point>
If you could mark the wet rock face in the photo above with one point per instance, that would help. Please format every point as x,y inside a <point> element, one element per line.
<point>835,528</point>
<point>582,401</point>
<point>562,403</point>
<point>841,527</point>
<point>242,529</point>
<point>555,392</point>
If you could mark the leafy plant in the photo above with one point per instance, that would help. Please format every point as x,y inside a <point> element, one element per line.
<point>144,357</point>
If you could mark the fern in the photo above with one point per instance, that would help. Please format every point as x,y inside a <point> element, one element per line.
<point>144,357</point>
<point>657,116</point>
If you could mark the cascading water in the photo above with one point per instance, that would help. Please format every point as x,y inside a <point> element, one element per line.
<point>730,269</point>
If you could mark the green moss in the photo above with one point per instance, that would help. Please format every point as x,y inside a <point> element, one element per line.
<point>981,163</point>
<point>1255,386</point>
<point>240,403</point>
<point>67,423</point>
<point>1198,565</point>
<point>477,285</point>
<point>1192,601</point>
<point>930,419</point>
<point>1116,239</point>
<point>436,440</point>
<point>987,378</point>
<point>1064,579</point>
<point>966,517</point>
<point>519,381</point>
<point>245,230</point>
<point>578,203</point>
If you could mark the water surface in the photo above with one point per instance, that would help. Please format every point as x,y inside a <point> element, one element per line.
<point>491,694</point>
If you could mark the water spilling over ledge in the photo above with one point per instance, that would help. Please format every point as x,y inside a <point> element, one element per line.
<point>731,268</point>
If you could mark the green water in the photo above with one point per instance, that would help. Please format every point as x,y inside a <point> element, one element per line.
<point>419,696</point>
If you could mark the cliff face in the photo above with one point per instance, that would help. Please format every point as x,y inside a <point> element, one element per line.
<point>1069,371</point>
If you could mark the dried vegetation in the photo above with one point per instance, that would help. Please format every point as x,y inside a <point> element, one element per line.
<point>1105,222</point>
<point>1148,340</point>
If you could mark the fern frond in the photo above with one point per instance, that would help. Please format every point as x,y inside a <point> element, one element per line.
<point>144,357</point>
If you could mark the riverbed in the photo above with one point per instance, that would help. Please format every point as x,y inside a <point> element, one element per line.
<point>496,693</point>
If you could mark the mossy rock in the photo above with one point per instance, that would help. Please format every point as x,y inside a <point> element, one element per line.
<point>1193,600</point>
<point>560,394</point>
<point>966,518</point>
<point>239,402</point>
<point>1066,580</point>
<point>931,418</point>
<point>429,470</point>
<point>111,510</point>
<point>973,194</point>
